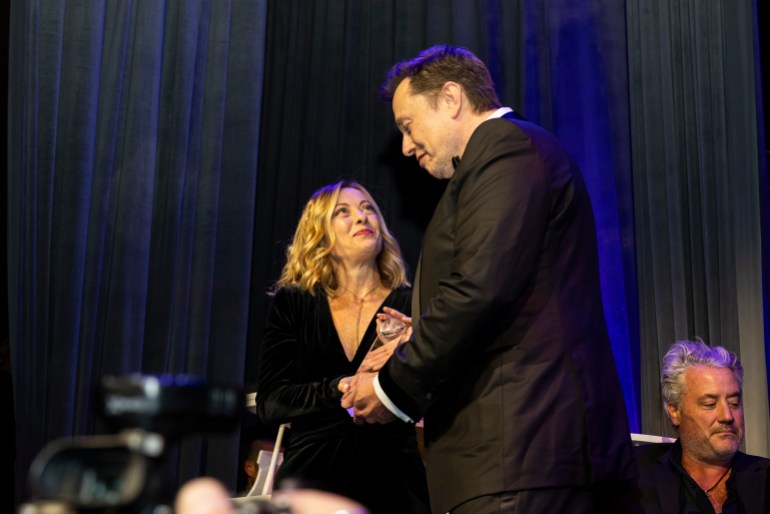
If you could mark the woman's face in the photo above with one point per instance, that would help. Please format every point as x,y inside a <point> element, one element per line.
<point>356,227</point>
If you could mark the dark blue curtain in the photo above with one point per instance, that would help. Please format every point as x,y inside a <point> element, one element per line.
<point>700,191</point>
<point>132,157</point>
<point>575,84</point>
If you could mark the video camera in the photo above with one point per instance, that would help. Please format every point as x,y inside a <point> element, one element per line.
<point>123,473</point>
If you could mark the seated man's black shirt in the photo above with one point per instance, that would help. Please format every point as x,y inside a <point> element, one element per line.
<point>693,499</point>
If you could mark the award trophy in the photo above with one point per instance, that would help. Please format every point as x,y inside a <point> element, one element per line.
<point>389,330</point>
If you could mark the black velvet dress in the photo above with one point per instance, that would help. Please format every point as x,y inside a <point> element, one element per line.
<point>301,360</point>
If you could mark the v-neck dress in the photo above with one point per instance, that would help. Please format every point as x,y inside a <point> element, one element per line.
<point>301,361</point>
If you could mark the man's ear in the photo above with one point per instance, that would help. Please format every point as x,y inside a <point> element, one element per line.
<point>451,97</point>
<point>250,468</point>
<point>673,413</point>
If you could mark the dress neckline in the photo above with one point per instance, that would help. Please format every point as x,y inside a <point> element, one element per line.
<point>366,339</point>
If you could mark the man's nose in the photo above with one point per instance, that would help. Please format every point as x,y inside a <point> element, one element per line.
<point>725,413</point>
<point>407,146</point>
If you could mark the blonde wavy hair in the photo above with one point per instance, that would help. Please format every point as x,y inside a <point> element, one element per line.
<point>309,263</point>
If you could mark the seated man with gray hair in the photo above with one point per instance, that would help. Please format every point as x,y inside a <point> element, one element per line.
<point>703,471</point>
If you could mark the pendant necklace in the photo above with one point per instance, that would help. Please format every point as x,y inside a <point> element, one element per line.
<point>361,301</point>
<point>708,491</point>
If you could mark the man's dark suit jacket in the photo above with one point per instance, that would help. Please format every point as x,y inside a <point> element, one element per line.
<point>659,483</point>
<point>510,361</point>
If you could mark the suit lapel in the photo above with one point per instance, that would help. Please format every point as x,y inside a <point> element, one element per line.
<point>416,293</point>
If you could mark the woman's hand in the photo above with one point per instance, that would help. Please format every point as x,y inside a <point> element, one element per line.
<point>343,385</point>
<point>376,359</point>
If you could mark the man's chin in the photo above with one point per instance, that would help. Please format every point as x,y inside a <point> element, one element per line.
<point>725,445</point>
<point>440,172</point>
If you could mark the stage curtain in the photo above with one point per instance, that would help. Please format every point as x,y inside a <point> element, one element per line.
<point>700,192</point>
<point>561,64</point>
<point>152,186</point>
<point>132,178</point>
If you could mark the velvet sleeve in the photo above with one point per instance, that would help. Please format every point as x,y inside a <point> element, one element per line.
<point>284,392</point>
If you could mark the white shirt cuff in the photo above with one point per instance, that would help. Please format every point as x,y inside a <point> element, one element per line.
<point>389,404</point>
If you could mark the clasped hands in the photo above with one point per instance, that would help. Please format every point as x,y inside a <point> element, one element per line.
<point>358,390</point>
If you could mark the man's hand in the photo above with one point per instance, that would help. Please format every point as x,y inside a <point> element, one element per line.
<point>203,496</point>
<point>367,407</point>
<point>389,312</point>
<point>397,314</point>
<point>208,496</point>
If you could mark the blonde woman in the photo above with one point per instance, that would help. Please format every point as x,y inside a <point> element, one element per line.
<point>342,268</point>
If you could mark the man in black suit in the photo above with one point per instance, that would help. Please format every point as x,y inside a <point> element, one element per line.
<point>703,471</point>
<point>509,361</point>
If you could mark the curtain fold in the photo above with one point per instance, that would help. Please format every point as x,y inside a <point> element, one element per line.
<point>132,183</point>
<point>575,84</point>
<point>145,222</point>
<point>700,191</point>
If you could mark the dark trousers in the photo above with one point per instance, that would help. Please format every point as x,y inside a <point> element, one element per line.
<point>605,498</point>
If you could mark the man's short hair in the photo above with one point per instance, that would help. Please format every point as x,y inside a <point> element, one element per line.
<point>686,354</point>
<point>437,65</point>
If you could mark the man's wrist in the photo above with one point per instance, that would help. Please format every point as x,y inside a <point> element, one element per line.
<point>388,403</point>
<point>397,396</point>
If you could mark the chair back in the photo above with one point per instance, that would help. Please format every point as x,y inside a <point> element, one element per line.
<point>637,439</point>
<point>268,463</point>
<point>261,485</point>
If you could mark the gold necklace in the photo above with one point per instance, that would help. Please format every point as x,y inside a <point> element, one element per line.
<point>361,301</point>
